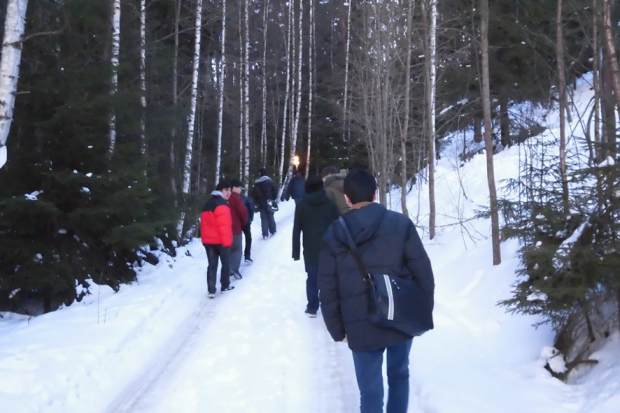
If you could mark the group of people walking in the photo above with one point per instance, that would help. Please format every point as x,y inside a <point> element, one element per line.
<point>226,219</point>
<point>344,233</point>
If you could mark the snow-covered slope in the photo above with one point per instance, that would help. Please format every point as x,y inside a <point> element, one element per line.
<point>159,345</point>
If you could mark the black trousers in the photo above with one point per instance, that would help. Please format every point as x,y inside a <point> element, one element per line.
<point>247,231</point>
<point>216,253</point>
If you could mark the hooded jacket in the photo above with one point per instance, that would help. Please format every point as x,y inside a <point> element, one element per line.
<point>216,221</point>
<point>264,189</point>
<point>313,215</point>
<point>389,244</point>
<point>334,187</point>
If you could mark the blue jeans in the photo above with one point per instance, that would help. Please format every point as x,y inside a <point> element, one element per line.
<point>368,366</point>
<point>267,222</point>
<point>312,291</point>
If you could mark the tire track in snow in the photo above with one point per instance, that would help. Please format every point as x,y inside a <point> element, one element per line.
<point>144,390</point>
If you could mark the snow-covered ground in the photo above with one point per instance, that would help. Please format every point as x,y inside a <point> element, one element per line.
<point>160,345</point>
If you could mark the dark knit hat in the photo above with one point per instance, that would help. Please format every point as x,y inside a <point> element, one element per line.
<point>235,183</point>
<point>262,172</point>
<point>313,184</point>
<point>222,185</point>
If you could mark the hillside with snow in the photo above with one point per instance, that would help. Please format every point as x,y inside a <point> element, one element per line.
<point>159,345</point>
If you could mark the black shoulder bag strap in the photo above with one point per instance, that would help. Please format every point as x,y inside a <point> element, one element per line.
<point>354,251</point>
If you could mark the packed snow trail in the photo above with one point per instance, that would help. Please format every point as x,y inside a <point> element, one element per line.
<point>249,350</point>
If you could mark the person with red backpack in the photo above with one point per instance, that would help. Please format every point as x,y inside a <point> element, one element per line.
<point>217,236</point>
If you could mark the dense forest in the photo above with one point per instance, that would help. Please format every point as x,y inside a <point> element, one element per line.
<point>118,117</point>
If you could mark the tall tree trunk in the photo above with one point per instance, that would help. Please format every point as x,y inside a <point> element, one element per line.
<point>241,92</point>
<point>263,136</point>
<point>608,107</point>
<point>289,45</point>
<point>405,132</point>
<point>477,128</point>
<point>297,108</point>
<point>187,165</point>
<point>116,47</point>
<point>175,98</point>
<point>611,67</point>
<point>562,98</point>
<point>222,79</point>
<point>246,110</point>
<point>143,75</point>
<point>596,80</point>
<point>610,49</point>
<point>311,51</point>
<point>486,104</point>
<point>14,27</point>
<point>431,84</point>
<point>346,73</point>
<point>504,118</point>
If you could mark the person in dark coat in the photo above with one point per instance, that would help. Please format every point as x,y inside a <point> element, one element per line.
<point>388,243</point>
<point>217,236</point>
<point>333,181</point>
<point>313,215</point>
<point>265,191</point>
<point>239,220</point>
<point>296,188</point>
<point>247,228</point>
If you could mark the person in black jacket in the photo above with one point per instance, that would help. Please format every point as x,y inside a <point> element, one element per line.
<point>388,244</point>
<point>265,191</point>
<point>247,229</point>
<point>313,215</point>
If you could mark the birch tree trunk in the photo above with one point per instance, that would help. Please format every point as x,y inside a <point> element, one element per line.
<point>297,108</point>
<point>14,27</point>
<point>116,46</point>
<point>263,135</point>
<point>405,132</point>
<point>246,75</point>
<point>311,50</point>
<point>486,104</point>
<point>610,48</point>
<point>241,93</point>
<point>430,96</point>
<point>143,75</point>
<point>222,79</point>
<point>596,80</point>
<point>562,98</point>
<point>187,166</point>
<point>287,93</point>
<point>346,73</point>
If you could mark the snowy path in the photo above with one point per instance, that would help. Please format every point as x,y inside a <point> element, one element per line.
<point>250,350</point>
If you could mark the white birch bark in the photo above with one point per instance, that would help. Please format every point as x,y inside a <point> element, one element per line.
<point>432,103</point>
<point>311,46</point>
<point>187,165</point>
<point>143,74</point>
<point>222,79</point>
<point>14,27</point>
<point>116,47</point>
<point>346,73</point>
<point>246,75</point>
<point>288,87</point>
<point>297,108</point>
<point>241,93</point>
<point>263,137</point>
<point>299,83</point>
